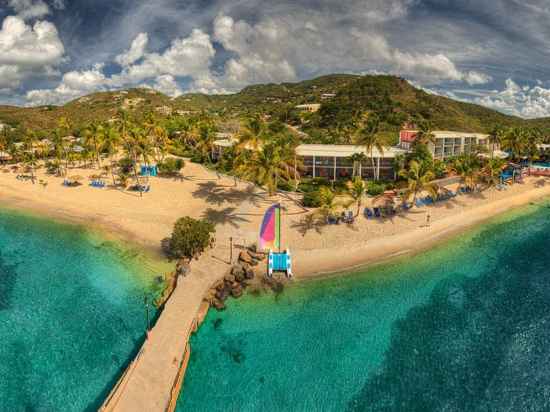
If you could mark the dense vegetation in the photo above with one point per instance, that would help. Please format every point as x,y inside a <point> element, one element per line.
<point>190,238</point>
<point>392,99</point>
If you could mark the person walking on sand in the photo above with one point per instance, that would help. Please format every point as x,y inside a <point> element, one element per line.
<point>428,218</point>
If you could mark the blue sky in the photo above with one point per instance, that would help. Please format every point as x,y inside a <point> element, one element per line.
<point>492,52</point>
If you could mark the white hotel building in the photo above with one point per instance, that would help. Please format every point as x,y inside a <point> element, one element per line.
<point>334,162</point>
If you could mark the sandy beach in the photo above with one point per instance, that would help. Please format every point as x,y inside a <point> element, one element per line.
<point>237,209</point>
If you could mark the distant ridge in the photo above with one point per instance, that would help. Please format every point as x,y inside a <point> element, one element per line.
<point>394,99</point>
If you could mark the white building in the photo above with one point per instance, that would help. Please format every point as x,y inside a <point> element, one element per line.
<point>447,143</point>
<point>335,162</point>
<point>311,108</point>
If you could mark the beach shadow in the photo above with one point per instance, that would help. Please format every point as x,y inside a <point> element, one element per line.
<point>307,224</point>
<point>224,217</point>
<point>540,183</point>
<point>214,193</point>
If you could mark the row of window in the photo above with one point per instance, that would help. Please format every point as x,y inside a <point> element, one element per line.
<point>346,173</point>
<point>324,161</point>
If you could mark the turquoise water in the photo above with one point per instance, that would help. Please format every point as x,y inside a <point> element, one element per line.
<point>464,327</point>
<point>71,315</point>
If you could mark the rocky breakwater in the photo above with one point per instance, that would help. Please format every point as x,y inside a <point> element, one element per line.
<point>239,277</point>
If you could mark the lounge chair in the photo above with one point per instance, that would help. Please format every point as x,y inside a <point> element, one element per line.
<point>377,212</point>
<point>368,213</point>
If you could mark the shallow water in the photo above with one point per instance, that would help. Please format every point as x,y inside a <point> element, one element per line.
<point>464,327</point>
<point>71,314</point>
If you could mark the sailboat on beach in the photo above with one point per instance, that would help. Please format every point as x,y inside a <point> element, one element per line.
<point>270,240</point>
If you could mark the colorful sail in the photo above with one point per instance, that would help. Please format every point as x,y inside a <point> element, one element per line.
<point>270,232</point>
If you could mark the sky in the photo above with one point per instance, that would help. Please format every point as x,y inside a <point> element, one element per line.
<point>491,52</point>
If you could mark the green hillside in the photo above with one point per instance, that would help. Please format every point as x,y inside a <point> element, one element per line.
<point>393,99</point>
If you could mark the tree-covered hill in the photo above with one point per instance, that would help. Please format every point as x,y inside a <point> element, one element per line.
<point>393,99</point>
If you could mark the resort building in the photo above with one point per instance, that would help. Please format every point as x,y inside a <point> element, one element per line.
<point>311,108</point>
<point>447,143</point>
<point>334,162</point>
<point>223,142</point>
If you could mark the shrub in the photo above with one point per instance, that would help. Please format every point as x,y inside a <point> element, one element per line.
<point>285,186</point>
<point>171,166</point>
<point>375,189</point>
<point>190,238</point>
<point>311,199</point>
<point>197,158</point>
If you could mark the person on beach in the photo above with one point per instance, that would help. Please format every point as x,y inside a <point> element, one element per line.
<point>428,218</point>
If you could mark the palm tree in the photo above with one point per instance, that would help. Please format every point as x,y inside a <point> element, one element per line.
<point>515,142</point>
<point>357,190</point>
<point>419,179</point>
<point>205,140</point>
<point>266,167</point>
<point>495,138</point>
<point>129,133</point>
<point>29,154</point>
<point>160,143</point>
<point>252,135</point>
<point>368,136</point>
<point>425,135</point>
<point>94,136</point>
<point>468,168</point>
<point>111,146</point>
<point>357,159</point>
<point>492,170</point>
<point>328,204</point>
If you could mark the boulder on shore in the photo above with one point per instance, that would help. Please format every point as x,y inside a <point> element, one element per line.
<point>248,272</point>
<point>218,305</point>
<point>229,278</point>
<point>221,295</point>
<point>236,269</point>
<point>257,256</point>
<point>237,291</point>
<point>244,256</point>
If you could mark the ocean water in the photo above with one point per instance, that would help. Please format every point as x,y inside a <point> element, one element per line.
<point>463,327</point>
<point>71,314</point>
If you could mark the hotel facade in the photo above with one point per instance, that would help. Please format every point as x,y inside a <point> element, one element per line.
<point>335,162</point>
<point>447,144</point>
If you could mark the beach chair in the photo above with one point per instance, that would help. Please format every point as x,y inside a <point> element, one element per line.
<point>419,203</point>
<point>369,213</point>
<point>377,212</point>
<point>349,219</point>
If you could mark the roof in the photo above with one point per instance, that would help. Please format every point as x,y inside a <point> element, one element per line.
<point>441,134</point>
<point>331,150</point>
<point>409,135</point>
<point>224,142</point>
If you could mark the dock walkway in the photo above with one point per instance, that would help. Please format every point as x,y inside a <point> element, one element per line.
<point>151,380</point>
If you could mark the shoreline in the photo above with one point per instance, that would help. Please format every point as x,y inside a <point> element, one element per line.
<point>309,264</point>
<point>425,238</point>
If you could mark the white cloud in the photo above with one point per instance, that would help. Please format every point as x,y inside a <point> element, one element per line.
<point>278,49</point>
<point>186,57</point>
<point>526,101</point>
<point>136,51</point>
<point>25,45</point>
<point>29,9</point>
<point>287,42</point>
<point>74,84</point>
<point>27,51</point>
<point>168,85</point>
